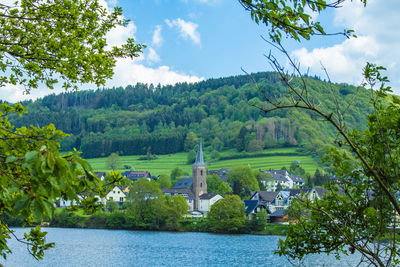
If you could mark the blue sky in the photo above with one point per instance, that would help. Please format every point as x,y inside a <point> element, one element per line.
<point>191,40</point>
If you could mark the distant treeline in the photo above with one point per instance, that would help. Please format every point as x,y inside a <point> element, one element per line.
<point>143,119</point>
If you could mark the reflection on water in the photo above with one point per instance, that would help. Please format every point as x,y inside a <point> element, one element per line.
<point>87,247</point>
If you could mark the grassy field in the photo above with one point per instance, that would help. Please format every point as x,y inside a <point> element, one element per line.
<point>165,163</point>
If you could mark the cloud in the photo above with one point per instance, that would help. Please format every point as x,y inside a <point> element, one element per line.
<point>153,57</point>
<point>343,62</point>
<point>157,39</point>
<point>128,72</point>
<point>187,29</point>
<point>376,26</point>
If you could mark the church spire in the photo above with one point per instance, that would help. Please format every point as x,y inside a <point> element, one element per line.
<point>199,158</point>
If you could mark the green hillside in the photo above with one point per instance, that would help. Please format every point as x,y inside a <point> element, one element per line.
<point>165,163</point>
<point>142,119</point>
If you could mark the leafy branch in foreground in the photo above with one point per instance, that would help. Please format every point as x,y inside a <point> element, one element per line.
<point>292,18</point>
<point>361,211</point>
<point>44,42</point>
<point>48,41</point>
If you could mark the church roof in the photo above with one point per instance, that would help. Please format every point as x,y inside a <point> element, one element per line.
<point>183,183</point>
<point>199,158</point>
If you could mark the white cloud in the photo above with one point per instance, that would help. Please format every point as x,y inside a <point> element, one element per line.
<point>157,39</point>
<point>343,61</point>
<point>153,57</point>
<point>128,72</point>
<point>187,29</point>
<point>376,26</point>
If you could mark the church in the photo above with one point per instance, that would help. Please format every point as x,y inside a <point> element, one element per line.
<point>194,189</point>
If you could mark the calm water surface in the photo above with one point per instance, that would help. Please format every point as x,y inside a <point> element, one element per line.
<point>86,247</point>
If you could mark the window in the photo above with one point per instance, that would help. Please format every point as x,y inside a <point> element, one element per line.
<point>113,192</point>
<point>201,172</point>
<point>201,185</point>
<point>121,199</point>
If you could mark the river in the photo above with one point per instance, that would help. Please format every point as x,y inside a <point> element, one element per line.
<point>90,247</point>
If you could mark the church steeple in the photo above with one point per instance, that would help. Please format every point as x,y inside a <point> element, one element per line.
<point>199,184</point>
<point>199,158</point>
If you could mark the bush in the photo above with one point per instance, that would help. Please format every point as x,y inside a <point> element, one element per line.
<point>115,220</point>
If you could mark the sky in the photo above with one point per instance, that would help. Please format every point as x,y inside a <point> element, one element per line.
<point>193,40</point>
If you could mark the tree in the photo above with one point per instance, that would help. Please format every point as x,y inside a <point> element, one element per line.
<point>113,161</point>
<point>45,39</point>
<point>174,208</point>
<point>191,141</point>
<point>243,180</point>
<point>296,169</point>
<point>112,206</point>
<point>191,157</point>
<point>164,181</point>
<point>213,181</point>
<point>176,173</point>
<point>227,215</point>
<point>259,221</point>
<point>362,209</point>
<point>224,188</point>
<point>46,42</point>
<point>145,204</point>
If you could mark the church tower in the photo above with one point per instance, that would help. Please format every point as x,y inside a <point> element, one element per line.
<point>199,184</point>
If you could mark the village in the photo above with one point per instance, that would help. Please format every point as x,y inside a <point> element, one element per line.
<point>274,201</point>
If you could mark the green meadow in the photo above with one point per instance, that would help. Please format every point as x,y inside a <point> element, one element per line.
<point>268,159</point>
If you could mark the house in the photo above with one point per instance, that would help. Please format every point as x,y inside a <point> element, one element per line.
<point>207,200</point>
<point>280,177</point>
<point>280,202</point>
<point>264,197</point>
<point>253,207</point>
<point>136,175</point>
<point>284,179</point>
<point>116,194</point>
<point>274,201</point>
<point>297,180</point>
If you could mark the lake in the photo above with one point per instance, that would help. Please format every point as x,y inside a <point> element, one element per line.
<point>92,247</point>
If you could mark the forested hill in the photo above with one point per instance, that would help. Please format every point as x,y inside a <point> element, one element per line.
<point>167,119</point>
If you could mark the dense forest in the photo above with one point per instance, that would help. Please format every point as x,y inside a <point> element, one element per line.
<point>142,119</point>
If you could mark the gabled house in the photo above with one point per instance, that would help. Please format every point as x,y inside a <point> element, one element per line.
<point>264,197</point>
<point>116,194</point>
<point>278,177</point>
<point>284,179</point>
<point>207,200</point>
<point>280,202</point>
<point>253,207</point>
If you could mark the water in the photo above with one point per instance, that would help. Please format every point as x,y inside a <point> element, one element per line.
<point>90,247</point>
